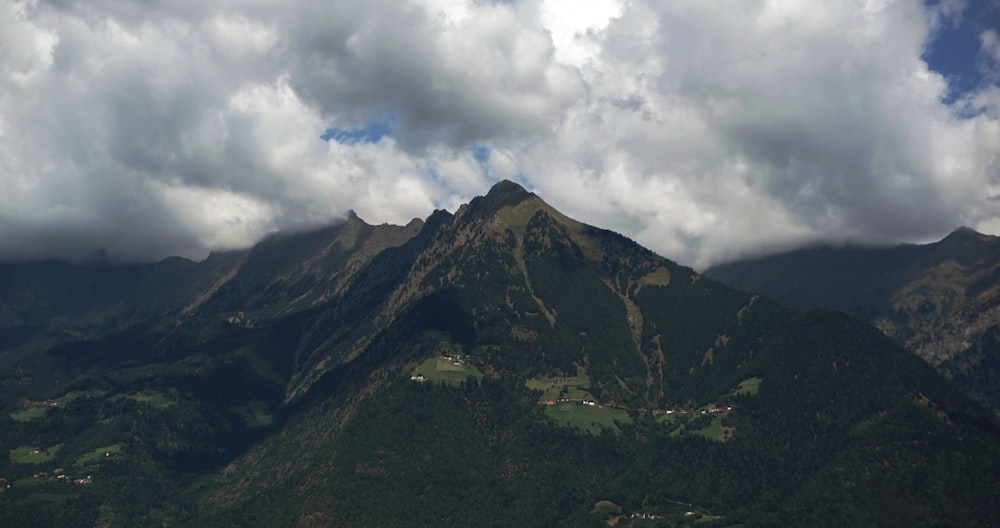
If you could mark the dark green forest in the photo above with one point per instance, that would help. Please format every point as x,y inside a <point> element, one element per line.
<point>603,385</point>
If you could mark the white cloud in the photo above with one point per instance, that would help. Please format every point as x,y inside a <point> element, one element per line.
<point>774,124</point>
<point>989,55</point>
<point>945,14</point>
<point>220,219</point>
<point>573,26</point>
<point>703,130</point>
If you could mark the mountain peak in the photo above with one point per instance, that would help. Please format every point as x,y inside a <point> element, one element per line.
<point>352,218</point>
<point>963,234</point>
<point>506,192</point>
<point>507,188</point>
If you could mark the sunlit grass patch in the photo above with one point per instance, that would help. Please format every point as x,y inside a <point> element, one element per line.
<point>606,507</point>
<point>592,419</point>
<point>99,454</point>
<point>445,370</point>
<point>34,412</point>
<point>33,455</point>
<point>749,386</point>
<point>555,388</point>
<point>671,418</point>
<point>41,489</point>
<point>37,410</point>
<point>157,399</point>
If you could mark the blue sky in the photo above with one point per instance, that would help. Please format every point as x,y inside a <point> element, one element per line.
<point>954,52</point>
<point>369,133</point>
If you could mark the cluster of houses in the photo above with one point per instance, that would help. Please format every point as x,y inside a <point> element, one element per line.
<point>589,403</point>
<point>456,359</point>
<point>710,410</point>
<point>58,476</point>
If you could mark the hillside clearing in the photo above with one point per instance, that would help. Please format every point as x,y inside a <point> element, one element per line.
<point>33,455</point>
<point>445,370</point>
<point>99,454</point>
<point>592,419</point>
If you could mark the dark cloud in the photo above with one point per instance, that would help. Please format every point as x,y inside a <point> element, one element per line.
<point>452,83</point>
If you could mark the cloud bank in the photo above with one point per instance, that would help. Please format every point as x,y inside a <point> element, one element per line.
<point>702,130</point>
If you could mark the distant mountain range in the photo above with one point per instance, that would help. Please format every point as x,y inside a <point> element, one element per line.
<point>504,365</point>
<point>940,300</point>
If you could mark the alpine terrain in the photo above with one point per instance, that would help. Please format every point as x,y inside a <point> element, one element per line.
<point>940,300</point>
<point>504,365</point>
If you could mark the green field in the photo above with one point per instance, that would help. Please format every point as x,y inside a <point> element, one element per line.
<point>586,418</point>
<point>445,371</point>
<point>680,422</point>
<point>715,430</point>
<point>157,399</point>
<point>606,507</point>
<point>554,388</point>
<point>99,454</point>
<point>36,410</point>
<point>42,490</point>
<point>31,413</point>
<point>671,418</point>
<point>28,455</point>
<point>255,413</point>
<point>749,386</point>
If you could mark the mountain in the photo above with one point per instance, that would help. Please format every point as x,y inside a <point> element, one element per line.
<point>940,300</point>
<point>502,365</point>
<point>283,272</point>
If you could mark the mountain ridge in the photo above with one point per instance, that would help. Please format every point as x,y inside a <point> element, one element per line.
<point>941,300</point>
<point>502,365</point>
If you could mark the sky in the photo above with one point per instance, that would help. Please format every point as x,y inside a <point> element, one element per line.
<point>705,131</point>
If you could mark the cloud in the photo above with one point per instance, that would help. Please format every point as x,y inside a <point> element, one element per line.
<point>772,126</point>
<point>451,80</point>
<point>989,55</point>
<point>704,131</point>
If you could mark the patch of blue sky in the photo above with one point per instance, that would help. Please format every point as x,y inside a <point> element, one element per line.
<point>954,52</point>
<point>481,154</point>
<point>370,133</point>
